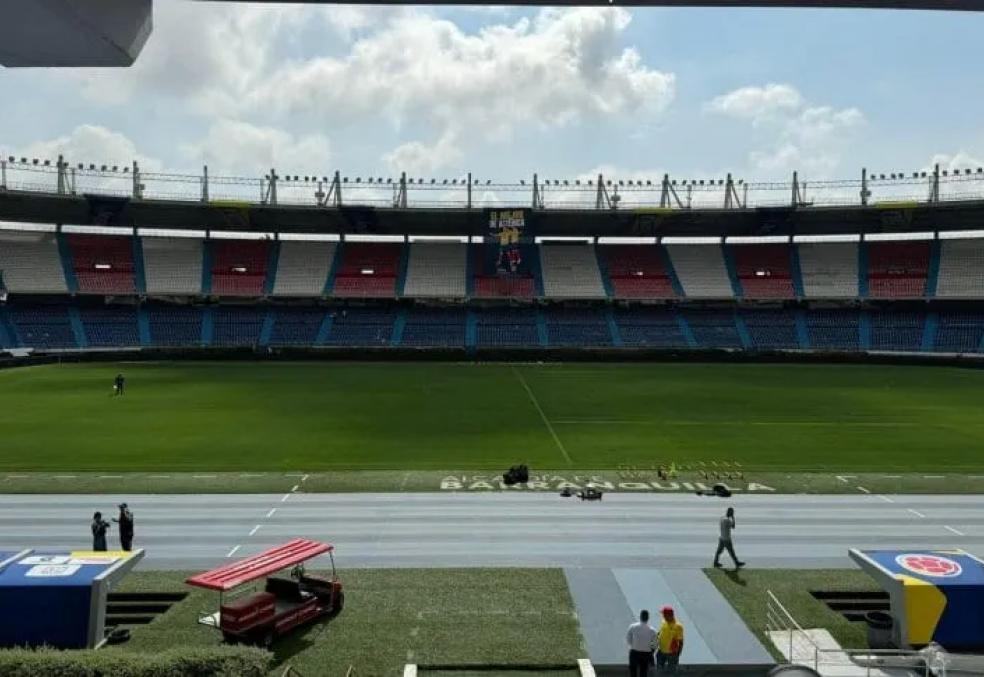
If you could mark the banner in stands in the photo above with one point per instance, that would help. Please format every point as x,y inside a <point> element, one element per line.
<point>506,228</point>
<point>577,482</point>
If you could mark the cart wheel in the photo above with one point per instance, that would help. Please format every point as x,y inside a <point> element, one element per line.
<point>229,638</point>
<point>339,604</point>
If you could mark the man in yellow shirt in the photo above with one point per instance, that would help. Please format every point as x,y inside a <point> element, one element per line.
<point>669,643</point>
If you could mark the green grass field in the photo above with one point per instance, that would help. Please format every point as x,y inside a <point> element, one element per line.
<point>418,416</point>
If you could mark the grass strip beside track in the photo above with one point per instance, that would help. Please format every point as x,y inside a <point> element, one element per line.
<point>395,616</point>
<point>746,591</point>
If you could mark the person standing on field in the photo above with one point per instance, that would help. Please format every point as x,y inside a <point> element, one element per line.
<point>99,527</point>
<point>641,637</point>
<point>724,541</point>
<point>669,644</point>
<point>119,383</point>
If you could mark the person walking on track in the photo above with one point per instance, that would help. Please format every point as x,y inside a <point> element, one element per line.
<point>724,540</point>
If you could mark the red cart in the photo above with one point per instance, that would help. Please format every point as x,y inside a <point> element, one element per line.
<point>258,616</point>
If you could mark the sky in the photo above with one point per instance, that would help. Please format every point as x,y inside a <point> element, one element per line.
<point>504,93</point>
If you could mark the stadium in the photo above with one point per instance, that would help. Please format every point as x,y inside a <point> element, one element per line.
<point>396,424</point>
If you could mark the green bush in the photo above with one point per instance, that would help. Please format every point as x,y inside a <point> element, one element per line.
<point>225,661</point>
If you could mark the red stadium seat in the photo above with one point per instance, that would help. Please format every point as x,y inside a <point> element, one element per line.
<point>368,270</point>
<point>103,264</point>
<point>897,269</point>
<point>637,272</point>
<point>764,270</point>
<point>239,267</point>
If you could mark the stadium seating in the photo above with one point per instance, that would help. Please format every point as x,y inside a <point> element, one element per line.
<point>892,330</point>
<point>763,270</point>
<point>771,329</point>
<point>43,326</point>
<point>960,332</point>
<point>489,282</point>
<point>578,327</point>
<point>636,271</point>
<point>30,263</point>
<point>701,270</point>
<point>175,326</point>
<point>897,269</point>
<point>650,328</point>
<point>834,329</point>
<point>110,327</point>
<point>237,326</point>
<point>103,264</point>
<point>367,270</point>
<point>239,267</point>
<point>361,327</point>
<point>296,326</point>
<point>961,269</point>
<point>303,267</point>
<point>508,327</point>
<point>436,270</point>
<point>829,269</point>
<point>436,327</point>
<point>173,265</point>
<point>713,328</point>
<point>570,271</point>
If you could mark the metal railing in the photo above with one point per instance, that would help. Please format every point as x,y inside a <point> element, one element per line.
<point>62,177</point>
<point>805,651</point>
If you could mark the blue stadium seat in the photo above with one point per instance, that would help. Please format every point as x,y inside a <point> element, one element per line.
<point>511,327</point>
<point>234,326</point>
<point>578,327</point>
<point>110,327</point>
<point>713,328</point>
<point>650,328</point>
<point>434,327</point>
<point>834,329</point>
<point>897,331</point>
<point>361,327</point>
<point>175,326</point>
<point>771,329</point>
<point>296,326</point>
<point>43,326</point>
<point>960,332</point>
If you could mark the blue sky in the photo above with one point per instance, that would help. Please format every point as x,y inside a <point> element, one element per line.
<point>504,93</point>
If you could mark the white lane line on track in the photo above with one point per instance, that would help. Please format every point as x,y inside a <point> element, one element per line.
<point>864,490</point>
<point>885,498</point>
<point>270,514</point>
<point>159,477</point>
<point>952,530</point>
<point>843,478</point>
<point>255,529</point>
<point>284,499</point>
<point>916,513</point>
<point>546,421</point>
<point>232,552</point>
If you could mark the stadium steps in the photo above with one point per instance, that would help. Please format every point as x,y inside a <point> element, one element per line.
<point>207,267</point>
<point>208,326</point>
<point>143,326</point>
<point>802,331</point>
<point>795,271</point>
<point>139,272</point>
<point>65,255</point>
<point>729,264</point>
<point>471,330</point>
<point>541,329</point>
<point>399,324</point>
<point>8,337</point>
<point>606,280</point>
<point>864,330</point>
<point>862,269</point>
<point>336,264</point>
<point>686,330</point>
<point>746,339</point>
<point>266,331</point>
<point>536,267</point>
<point>78,329</point>
<point>933,274</point>
<point>273,258</point>
<point>671,271</point>
<point>613,328</point>
<point>401,270</point>
<point>469,273</point>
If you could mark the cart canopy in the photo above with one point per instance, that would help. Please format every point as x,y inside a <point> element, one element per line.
<point>265,563</point>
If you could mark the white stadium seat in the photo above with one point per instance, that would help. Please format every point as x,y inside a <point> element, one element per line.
<point>302,268</point>
<point>961,269</point>
<point>701,270</point>
<point>172,265</point>
<point>571,272</point>
<point>436,270</point>
<point>829,269</point>
<point>30,263</point>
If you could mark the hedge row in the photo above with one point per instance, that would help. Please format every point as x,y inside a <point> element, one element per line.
<point>224,661</point>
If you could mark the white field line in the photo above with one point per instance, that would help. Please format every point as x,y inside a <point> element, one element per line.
<point>864,490</point>
<point>546,421</point>
<point>296,487</point>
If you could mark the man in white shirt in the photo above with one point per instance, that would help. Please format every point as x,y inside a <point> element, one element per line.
<point>724,541</point>
<point>640,638</point>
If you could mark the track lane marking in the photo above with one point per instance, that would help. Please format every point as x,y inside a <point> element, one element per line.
<point>284,499</point>
<point>232,552</point>
<point>916,513</point>
<point>885,498</point>
<point>952,530</point>
<point>255,529</point>
<point>543,416</point>
<point>270,514</point>
<point>864,490</point>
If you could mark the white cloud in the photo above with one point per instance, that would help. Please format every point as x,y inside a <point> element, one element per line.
<point>90,144</point>
<point>416,158</point>
<point>757,103</point>
<point>232,146</point>
<point>959,160</point>
<point>808,138</point>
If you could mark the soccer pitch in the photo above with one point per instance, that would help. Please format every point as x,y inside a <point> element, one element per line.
<point>319,416</point>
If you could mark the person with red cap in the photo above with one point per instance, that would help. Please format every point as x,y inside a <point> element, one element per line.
<point>669,642</point>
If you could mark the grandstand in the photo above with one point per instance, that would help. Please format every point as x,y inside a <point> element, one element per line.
<point>824,296</point>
